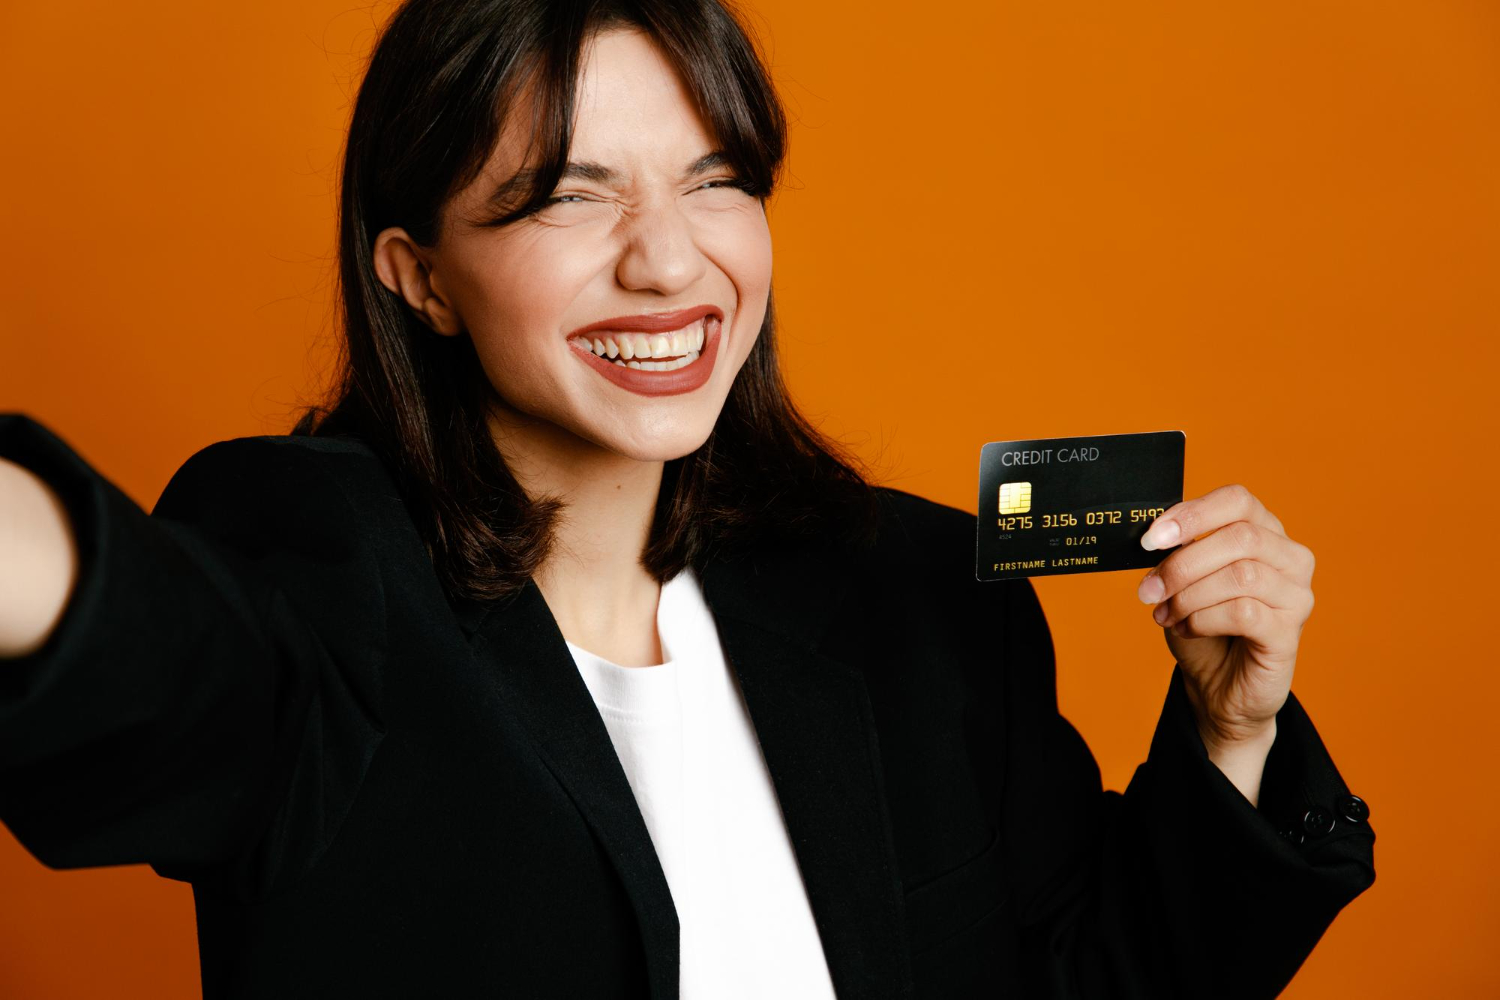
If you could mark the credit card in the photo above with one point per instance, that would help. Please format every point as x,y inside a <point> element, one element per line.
<point>1074,504</point>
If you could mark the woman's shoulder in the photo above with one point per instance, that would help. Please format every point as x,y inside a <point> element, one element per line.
<point>925,550</point>
<point>916,517</point>
<point>917,535</point>
<point>321,470</point>
<point>286,490</point>
<point>265,458</point>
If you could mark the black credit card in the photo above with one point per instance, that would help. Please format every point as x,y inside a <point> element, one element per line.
<point>1074,504</point>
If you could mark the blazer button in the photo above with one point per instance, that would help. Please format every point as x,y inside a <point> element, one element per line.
<point>1317,822</point>
<point>1353,808</point>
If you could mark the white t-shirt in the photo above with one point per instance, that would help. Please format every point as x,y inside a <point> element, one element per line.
<point>684,737</point>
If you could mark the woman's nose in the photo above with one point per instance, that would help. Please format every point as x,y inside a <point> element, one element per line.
<point>660,253</point>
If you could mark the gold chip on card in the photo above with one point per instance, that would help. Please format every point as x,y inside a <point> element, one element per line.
<point>1015,498</point>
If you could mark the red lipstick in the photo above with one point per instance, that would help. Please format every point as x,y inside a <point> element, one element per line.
<point>651,322</point>
<point>657,383</point>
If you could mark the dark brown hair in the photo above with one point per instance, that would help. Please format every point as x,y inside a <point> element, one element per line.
<point>440,82</point>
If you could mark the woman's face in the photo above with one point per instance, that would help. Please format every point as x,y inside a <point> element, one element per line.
<point>648,226</point>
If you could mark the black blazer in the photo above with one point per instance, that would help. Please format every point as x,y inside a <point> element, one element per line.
<point>261,689</point>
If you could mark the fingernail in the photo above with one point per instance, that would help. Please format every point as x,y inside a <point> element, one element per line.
<point>1160,614</point>
<point>1151,589</point>
<point>1160,535</point>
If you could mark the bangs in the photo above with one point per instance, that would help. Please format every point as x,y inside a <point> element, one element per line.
<point>718,64</point>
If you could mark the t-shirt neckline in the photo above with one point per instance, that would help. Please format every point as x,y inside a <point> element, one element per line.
<point>643,690</point>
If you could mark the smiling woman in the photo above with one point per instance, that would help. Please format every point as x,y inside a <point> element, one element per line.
<point>576,168</point>
<point>559,656</point>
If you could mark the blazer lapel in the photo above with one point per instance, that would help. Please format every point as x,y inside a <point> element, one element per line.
<point>536,678</point>
<point>813,719</point>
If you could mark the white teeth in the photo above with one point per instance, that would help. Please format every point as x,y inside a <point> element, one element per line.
<point>622,348</point>
<point>660,366</point>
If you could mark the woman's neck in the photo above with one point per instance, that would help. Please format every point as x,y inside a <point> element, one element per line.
<point>592,578</point>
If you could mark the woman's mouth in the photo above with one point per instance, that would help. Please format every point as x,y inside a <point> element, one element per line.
<point>652,352</point>
<point>658,363</point>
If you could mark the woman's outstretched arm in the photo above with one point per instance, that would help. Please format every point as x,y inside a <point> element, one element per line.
<point>196,656</point>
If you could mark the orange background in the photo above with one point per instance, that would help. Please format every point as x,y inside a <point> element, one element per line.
<point>1268,224</point>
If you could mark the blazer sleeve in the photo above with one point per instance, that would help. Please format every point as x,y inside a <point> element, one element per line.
<point>209,700</point>
<point>1179,887</point>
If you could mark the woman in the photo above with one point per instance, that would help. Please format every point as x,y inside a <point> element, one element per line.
<point>532,668</point>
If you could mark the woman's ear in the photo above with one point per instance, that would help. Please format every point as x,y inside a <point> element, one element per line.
<point>403,267</point>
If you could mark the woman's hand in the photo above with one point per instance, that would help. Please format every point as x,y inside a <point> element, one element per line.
<point>1232,605</point>
<point>38,560</point>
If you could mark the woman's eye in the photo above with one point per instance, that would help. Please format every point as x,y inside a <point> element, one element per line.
<point>730,182</point>
<point>734,183</point>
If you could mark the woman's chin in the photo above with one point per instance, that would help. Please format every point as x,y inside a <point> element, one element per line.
<point>655,446</point>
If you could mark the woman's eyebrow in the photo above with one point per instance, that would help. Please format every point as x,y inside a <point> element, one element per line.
<point>590,171</point>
